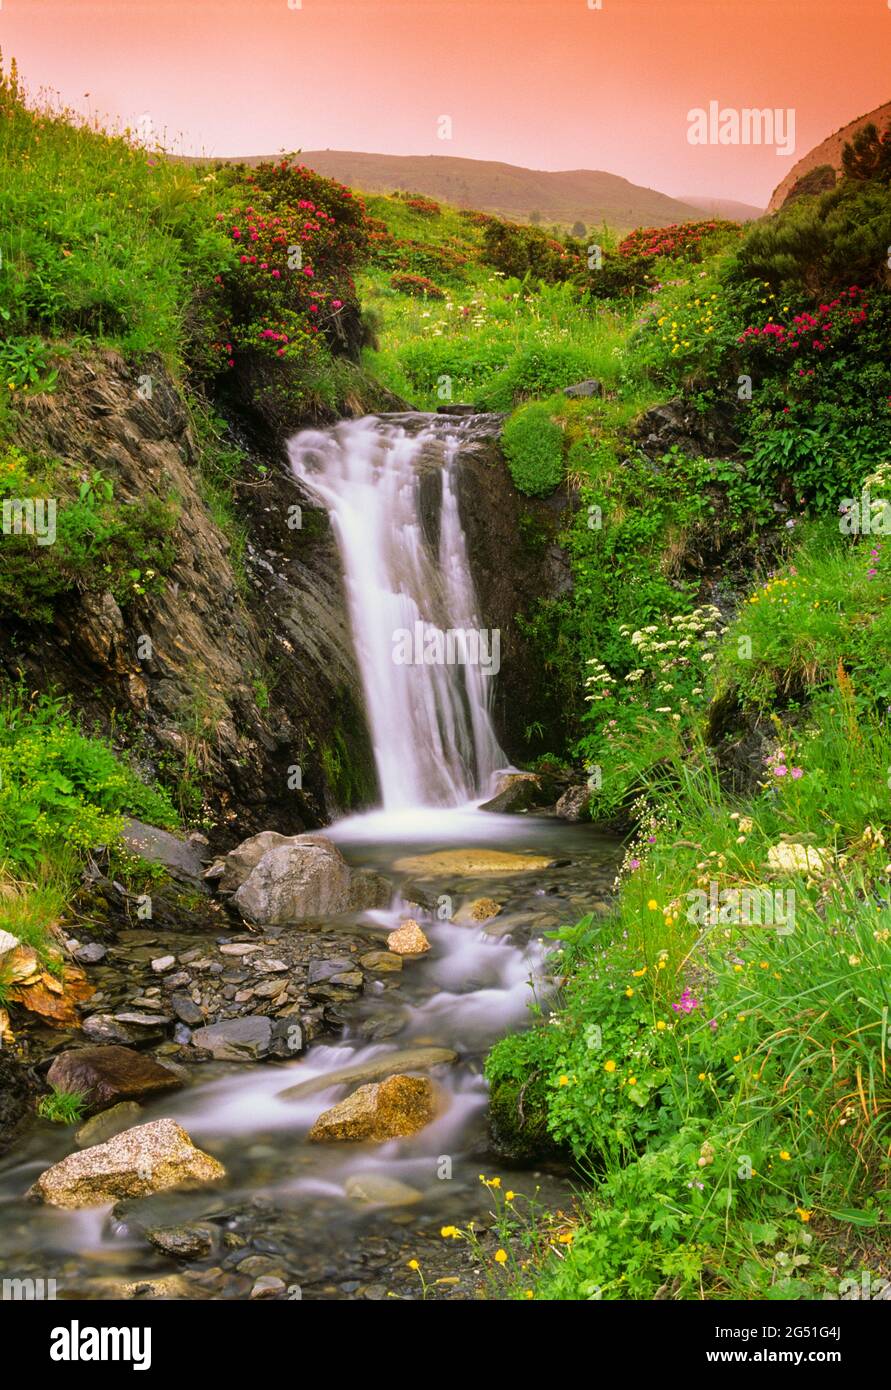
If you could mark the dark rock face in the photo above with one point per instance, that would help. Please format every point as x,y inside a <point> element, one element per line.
<point>515,560</point>
<point>184,860</point>
<point>107,1075</point>
<point>16,1092</point>
<point>215,643</point>
<point>676,422</point>
<point>590,387</point>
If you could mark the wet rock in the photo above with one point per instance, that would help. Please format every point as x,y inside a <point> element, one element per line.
<point>107,1124</point>
<point>109,1074</point>
<point>384,962</point>
<point>407,1060</point>
<point>516,791</point>
<point>91,953</point>
<point>236,1039</point>
<point>150,1158</point>
<point>186,1010</point>
<point>162,964</point>
<point>480,910</point>
<point>183,1242</point>
<point>573,804</point>
<point>390,1109</point>
<point>103,1028</point>
<point>184,860</point>
<point>408,940</point>
<point>16,1091</point>
<point>269,1286</point>
<point>306,878</point>
<point>377,1190</point>
<point>471,863</point>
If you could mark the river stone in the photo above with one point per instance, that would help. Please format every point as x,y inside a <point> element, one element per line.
<point>149,1158</point>
<point>573,804</point>
<point>182,1242</point>
<point>246,1039</point>
<point>162,964</point>
<point>231,871</point>
<point>408,940</point>
<point>186,1010</point>
<point>184,860</point>
<point>391,1109</point>
<point>409,1059</point>
<point>515,791</point>
<point>381,961</point>
<point>90,954</point>
<point>99,1128</point>
<point>109,1074</point>
<point>589,387</point>
<point>306,878</point>
<point>377,1190</point>
<point>471,863</point>
<point>269,1286</point>
<point>103,1028</point>
<point>480,910</point>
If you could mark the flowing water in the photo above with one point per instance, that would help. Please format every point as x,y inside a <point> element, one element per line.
<point>342,1220</point>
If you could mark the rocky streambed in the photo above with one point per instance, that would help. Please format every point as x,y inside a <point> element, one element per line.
<point>284,1109</point>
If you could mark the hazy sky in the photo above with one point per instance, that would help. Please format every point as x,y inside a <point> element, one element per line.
<point>551,84</point>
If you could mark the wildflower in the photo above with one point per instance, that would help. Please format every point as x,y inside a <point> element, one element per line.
<point>413,1264</point>
<point>449,1233</point>
<point>653,905</point>
<point>785,1155</point>
<point>660,1026</point>
<point>501,1257</point>
<point>564,1080</point>
<point>803,1213</point>
<point>609,1066</point>
<point>509,1196</point>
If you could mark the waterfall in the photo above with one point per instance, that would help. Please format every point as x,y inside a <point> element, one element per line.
<point>427,667</point>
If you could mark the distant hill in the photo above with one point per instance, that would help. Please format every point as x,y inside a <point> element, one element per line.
<point>574,195</point>
<point>829,151</point>
<point>724,207</point>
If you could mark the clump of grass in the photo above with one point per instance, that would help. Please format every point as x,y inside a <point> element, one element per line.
<point>62,1107</point>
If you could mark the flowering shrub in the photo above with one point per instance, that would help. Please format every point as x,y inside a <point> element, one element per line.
<point>295,239</point>
<point>688,240</point>
<point>427,207</point>
<point>814,332</point>
<point>416,285</point>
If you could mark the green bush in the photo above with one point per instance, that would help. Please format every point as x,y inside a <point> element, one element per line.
<point>533,446</point>
<point>61,791</point>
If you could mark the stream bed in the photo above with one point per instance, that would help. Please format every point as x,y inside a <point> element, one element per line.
<point>342,1220</point>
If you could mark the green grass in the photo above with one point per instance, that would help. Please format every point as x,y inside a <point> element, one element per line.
<point>62,1107</point>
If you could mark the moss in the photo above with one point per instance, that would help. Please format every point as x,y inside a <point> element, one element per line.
<point>518,1119</point>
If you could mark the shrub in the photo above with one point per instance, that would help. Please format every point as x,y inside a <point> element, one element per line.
<point>418,286</point>
<point>527,251</point>
<point>533,446</point>
<point>61,790</point>
<point>689,241</point>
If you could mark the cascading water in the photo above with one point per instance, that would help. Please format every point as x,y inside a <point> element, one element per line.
<point>427,667</point>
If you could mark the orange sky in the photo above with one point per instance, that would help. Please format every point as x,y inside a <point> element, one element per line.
<point>550,84</point>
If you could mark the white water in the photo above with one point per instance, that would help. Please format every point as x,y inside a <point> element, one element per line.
<point>431,724</point>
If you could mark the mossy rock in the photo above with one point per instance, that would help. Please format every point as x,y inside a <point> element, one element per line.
<point>518,1121</point>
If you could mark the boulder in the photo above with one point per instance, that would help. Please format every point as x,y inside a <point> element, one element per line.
<point>304,879</point>
<point>382,962</point>
<point>480,910</point>
<point>515,792</point>
<point>377,1068</point>
<point>391,1109</point>
<point>106,1075</point>
<point>184,860</point>
<point>232,869</point>
<point>150,1158</point>
<point>408,940</point>
<point>573,804</point>
<point>246,1039</point>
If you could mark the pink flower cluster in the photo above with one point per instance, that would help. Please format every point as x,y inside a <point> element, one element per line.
<point>848,310</point>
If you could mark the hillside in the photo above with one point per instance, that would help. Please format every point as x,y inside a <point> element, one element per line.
<point>572,195</point>
<point>829,151</point>
<point>728,208</point>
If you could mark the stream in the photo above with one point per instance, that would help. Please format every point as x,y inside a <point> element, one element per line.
<point>342,1220</point>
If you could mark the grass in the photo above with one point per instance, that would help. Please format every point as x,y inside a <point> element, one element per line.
<point>62,1107</point>
<point>718,1061</point>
